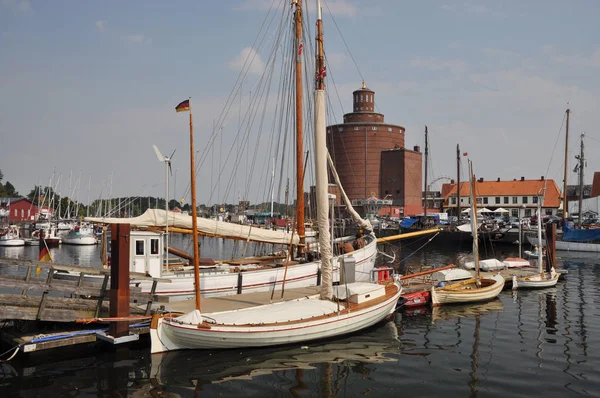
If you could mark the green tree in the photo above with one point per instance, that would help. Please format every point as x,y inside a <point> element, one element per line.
<point>9,190</point>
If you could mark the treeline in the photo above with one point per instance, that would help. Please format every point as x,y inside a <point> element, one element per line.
<point>7,190</point>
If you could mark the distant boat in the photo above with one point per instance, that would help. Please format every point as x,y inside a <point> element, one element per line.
<point>11,237</point>
<point>80,235</point>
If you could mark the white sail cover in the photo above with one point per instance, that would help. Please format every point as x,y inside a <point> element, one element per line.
<point>322,196</point>
<point>361,222</point>
<point>157,218</point>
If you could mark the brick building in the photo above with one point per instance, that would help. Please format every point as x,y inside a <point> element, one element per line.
<point>370,157</point>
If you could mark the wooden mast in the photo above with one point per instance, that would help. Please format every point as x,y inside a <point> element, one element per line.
<point>194,213</point>
<point>426,190</point>
<point>299,127</point>
<point>474,221</point>
<point>581,166</point>
<point>565,207</point>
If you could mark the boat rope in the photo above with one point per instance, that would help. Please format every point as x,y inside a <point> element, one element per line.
<point>17,348</point>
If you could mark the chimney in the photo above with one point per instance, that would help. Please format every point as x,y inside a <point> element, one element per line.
<point>498,180</point>
<point>417,148</point>
<point>481,179</point>
<point>522,178</point>
<point>451,181</point>
<point>542,178</point>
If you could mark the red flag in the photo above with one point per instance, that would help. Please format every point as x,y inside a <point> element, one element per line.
<point>300,49</point>
<point>465,153</point>
<point>322,73</point>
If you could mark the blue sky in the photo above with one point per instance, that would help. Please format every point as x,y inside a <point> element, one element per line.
<point>88,87</point>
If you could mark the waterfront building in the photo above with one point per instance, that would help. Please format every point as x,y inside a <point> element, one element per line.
<point>511,195</point>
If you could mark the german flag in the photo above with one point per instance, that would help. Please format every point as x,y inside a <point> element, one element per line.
<point>184,106</point>
<point>45,255</point>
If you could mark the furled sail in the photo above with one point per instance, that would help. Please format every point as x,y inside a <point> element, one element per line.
<point>157,218</point>
<point>361,222</point>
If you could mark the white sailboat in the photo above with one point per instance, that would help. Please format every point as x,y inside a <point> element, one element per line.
<point>345,309</point>
<point>11,237</point>
<point>474,289</point>
<point>541,279</point>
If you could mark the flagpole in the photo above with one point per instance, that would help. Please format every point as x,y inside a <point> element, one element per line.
<point>194,211</point>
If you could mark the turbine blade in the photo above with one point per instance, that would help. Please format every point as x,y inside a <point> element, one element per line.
<point>171,157</point>
<point>170,170</point>
<point>159,155</point>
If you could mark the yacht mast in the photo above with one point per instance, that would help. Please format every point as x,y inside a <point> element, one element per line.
<point>565,207</point>
<point>299,126</point>
<point>426,190</point>
<point>581,165</point>
<point>457,184</point>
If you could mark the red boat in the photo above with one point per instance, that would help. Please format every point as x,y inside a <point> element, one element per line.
<point>416,299</point>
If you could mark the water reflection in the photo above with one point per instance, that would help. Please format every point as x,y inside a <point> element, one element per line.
<point>354,353</point>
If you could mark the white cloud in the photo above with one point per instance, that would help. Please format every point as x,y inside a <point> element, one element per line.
<point>100,25</point>
<point>249,60</point>
<point>455,66</point>
<point>137,38</point>
<point>17,5</point>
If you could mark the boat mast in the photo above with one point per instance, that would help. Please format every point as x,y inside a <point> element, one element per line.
<point>565,207</point>
<point>194,213</point>
<point>426,190</point>
<point>474,221</point>
<point>581,164</point>
<point>457,184</point>
<point>299,126</point>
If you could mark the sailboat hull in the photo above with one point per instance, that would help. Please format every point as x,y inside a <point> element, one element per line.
<point>315,319</point>
<point>539,281</point>
<point>467,291</point>
<point>568,246</point>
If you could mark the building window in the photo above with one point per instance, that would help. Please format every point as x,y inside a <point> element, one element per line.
<point>497,200</point>
<point>515,200</point>
<point>549,212</point>
<point>374,128</point>
<point>389,129</point>
<point>506,200</point>
<point>454,200</point>
<point>340,129</point>
<point>139,247</point>
<point>485,201</point>
<point>534,199</point>
<point>525,200</point>
<point>28,213</point>
<point>397,191</point>
<point>361,98</point>
<point>527,212</point>
<point>514,212</point>
<point>356,128</point>
<point>15,212</point>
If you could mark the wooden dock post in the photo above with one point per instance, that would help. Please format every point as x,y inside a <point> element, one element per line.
<point>119,279</point>
<point>551,246</point>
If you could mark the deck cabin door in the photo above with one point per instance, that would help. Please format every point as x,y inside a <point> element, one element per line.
<point>140,263</point>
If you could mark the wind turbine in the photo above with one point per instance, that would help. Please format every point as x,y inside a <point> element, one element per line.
<point>168,170</point>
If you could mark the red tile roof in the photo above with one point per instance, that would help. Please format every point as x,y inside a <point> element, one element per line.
<point>509,188</point>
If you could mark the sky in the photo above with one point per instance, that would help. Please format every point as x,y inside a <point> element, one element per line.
<point>86,88</point>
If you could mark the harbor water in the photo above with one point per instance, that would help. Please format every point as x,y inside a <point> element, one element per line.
<point>525,343</point>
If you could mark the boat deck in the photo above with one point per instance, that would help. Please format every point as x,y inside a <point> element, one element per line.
<point>246,300</point>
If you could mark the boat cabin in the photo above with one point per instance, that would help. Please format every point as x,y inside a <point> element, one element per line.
<point>146,252</point>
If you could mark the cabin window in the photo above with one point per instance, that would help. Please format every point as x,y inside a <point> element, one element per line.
<point>139,247</point>
<point>515,200</point>
<point>497,200</point>
<point>153,246</point>
<point>506,200</point>
<point>524,199</point>
<point>534,199</point>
